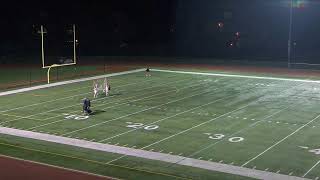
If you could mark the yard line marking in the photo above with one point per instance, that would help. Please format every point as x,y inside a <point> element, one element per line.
<point>11,115</point>
<point>251,125</point>
<point>176,134</point>
<point>67,82</point>
<point>127,115</point>
<point>311,168</point>
<point>303,147</point>
<point>239,76</point>
<point>80,104</point>
<point>94,100</point>
<point>301,127</point>
<point>191,128</point>
<point>168,117</point>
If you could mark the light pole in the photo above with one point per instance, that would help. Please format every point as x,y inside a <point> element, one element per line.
<point>290,32</point>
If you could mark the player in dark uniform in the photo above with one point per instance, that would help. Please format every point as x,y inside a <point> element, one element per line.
<point>86,106</point>
<point>148,72</point>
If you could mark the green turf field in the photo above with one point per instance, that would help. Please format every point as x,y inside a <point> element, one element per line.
<point>265,124</point>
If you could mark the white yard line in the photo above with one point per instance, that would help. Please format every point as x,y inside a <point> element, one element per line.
<point>213,119</point>
<point>67,82</point>
<point>186,130</point>
<point>301,127</point>
<point>162,119</point>
<point>311,168</point>
<point>127,115</point>
<point>250,126</point>
<point>80,104</point>
<point>57,167</point>
<point>238,76</point>
<point>95,106</point>
<point>208,165</point>
<point>68,97</point>
<point>107,107</point>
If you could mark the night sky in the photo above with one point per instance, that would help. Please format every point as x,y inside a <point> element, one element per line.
<point>187,28</point>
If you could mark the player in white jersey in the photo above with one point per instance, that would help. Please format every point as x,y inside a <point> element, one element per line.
<point>95,89</point>
<point>106,86</point>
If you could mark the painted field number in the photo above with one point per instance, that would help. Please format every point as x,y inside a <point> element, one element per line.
<point>221,136</point>
<point>141,125</point>
<point>315,151</point>
<point>75,117</point>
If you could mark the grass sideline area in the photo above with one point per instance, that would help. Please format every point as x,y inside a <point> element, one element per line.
<point>263,124</point>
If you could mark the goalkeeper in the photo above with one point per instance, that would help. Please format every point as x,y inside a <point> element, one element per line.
<point>86,106</point>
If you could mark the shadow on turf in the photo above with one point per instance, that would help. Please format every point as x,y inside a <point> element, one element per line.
<point>95,112</point>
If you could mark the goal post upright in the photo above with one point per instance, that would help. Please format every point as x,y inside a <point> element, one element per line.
<point>42,46</point>
<point>44,66</point>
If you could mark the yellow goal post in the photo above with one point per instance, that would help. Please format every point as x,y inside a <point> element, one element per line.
<point>42,32</point>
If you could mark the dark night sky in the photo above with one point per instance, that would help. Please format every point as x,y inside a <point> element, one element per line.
<point>167,27</point>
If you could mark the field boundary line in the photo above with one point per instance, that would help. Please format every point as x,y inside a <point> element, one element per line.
<point>67,82</point>
<point>283,139</point>
<point>212,166</point>
<point>57,167</point>
<point>238,76</point>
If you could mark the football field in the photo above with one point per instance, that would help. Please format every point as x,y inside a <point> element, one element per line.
<point>271,124</point>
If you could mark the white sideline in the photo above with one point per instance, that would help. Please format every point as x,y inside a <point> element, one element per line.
<point>208,165</point>
<point>238,76</point>
<point>67,82</point>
